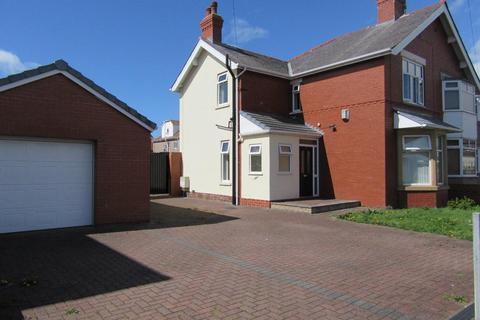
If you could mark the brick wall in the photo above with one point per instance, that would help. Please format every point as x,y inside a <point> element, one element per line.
<point>355,152</point>
<point>56,107</point>
<point>262,93</point>
<point>431,199</point>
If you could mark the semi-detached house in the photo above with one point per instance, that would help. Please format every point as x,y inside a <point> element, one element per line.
<point>385,115</point>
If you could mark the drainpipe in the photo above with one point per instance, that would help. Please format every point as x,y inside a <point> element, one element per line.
<point>233,119</point>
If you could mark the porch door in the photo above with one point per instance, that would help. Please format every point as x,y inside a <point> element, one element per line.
<point>306,171</point>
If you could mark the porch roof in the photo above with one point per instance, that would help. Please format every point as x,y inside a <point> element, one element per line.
<point>407,120</point>
<point>262,123</point>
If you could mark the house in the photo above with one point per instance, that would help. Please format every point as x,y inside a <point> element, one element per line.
<point>71,154</point>
<point>382,115</point>
<point>169,139</point>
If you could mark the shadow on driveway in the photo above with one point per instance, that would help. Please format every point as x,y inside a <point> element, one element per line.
<point>47,267</point>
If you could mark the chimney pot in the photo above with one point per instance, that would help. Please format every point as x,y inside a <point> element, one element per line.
<point>212,24</point>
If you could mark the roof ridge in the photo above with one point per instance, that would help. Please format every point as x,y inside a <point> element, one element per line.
<point>250,51</point>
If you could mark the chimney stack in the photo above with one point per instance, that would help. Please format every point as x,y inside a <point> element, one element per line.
<point>388,10</point>
<point>211,25</point>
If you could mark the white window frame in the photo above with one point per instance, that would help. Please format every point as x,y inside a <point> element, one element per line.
<point>222,155</point>
<point>255,153</point>
<point>413,150</point>
<point>283,153</point>
<point>463,88</point>
<point>441,155</point>
<point>295,91</point>
<point>220,82</point>
<point>412,76</point>
<point>461,147</point>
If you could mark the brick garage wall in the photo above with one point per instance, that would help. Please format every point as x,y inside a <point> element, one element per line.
<point>209,196</point>
<point>262,93</point>
<point>56,107</point>
<point>255,203</point>
<point>175,163</point>
<point>354,167</point>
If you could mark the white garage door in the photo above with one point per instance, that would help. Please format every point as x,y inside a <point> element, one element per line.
<point>45,184</point>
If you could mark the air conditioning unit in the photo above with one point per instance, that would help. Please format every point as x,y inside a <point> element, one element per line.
<point>185,183</point>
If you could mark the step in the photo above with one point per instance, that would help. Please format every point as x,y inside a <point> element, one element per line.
<point>315,205</point>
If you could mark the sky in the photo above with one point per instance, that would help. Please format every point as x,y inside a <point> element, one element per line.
<point>136,49</point>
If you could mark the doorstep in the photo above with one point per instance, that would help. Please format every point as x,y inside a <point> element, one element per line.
<point>315,205</point>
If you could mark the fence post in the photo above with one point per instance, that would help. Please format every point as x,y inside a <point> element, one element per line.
<point>476,262</point>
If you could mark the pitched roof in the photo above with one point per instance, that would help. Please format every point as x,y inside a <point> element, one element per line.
<point>275,123</point>
<point>62,67</point>
<point>363,42</point>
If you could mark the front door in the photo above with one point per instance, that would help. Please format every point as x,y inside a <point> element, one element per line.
<point>306,172</point>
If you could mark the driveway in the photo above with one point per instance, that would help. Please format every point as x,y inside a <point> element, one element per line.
<point>208,260</point>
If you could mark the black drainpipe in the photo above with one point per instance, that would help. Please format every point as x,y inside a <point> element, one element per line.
<point>233,119</point>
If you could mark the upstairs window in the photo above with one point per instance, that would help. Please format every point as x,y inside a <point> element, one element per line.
<point>459,96</point>
<point>255,155</point>
<point>416,160</point>
<point>413,82</point>
<point>284,158</point>
<point>222,89</point>
<point>225,161</point>
<point>296,102</point>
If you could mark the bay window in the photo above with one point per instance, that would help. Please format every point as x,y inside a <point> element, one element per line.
<point>225,161</point>
<point>255,157</point>
<point>413,82</point>
<point>416,160</point>
<point>284,158</point>
<point>459,96</point>
<point>222,89</point>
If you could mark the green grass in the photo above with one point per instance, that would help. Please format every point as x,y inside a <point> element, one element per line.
<point>455,223</point>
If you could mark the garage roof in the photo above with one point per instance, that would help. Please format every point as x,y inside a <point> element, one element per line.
<point>61,66</point>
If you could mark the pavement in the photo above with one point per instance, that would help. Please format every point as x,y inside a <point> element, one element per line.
<point>201,259</point>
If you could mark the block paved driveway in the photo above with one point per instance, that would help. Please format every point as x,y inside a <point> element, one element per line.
<point>233,263</point>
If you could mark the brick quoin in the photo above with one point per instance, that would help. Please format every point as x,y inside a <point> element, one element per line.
<point>55,107</point>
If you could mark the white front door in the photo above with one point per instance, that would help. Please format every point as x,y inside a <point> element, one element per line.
<point>45,184</point>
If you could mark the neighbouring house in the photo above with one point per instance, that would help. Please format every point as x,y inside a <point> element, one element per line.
<point>71,154</point>
<point>385,115</point>
<point>169,139</point>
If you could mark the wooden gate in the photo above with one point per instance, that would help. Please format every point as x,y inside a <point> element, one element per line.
<point>159,173</point>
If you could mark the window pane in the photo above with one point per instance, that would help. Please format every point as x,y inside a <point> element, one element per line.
<point>451,85</point>
<point>421,92</point>
<point>222,92</point>
<point>452,143</point>
<point>226,167</point>
<point>224,148</point>
<point>254,149</point>
<point>452,100</point>
<point>453,161</point>
<point>416,143</point>
<point>406,87</point>
<point>222,77</point>
<point>416,168</point>
<point>255,163</point>
<point>296,101</point>
<point>285,149</point>
<point>415,90</point>
<point>469,162</point>
<point>440,167</point>
<point>284,163</point>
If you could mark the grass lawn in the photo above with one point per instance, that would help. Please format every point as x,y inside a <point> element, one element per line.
<point>455,223</point>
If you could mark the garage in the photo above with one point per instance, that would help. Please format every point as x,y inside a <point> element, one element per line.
<point>45,184</point>
<point>71,153</point>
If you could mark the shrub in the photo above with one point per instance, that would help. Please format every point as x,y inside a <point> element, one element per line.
<point>464,203</point>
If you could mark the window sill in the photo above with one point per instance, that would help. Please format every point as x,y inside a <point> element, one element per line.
<point>255,174</point>
<point>296,112</point>
<point>284,173</point>
<point>222,106</point>
<point>226,184</point>
<point>423,188</point>
<point>413,104</point>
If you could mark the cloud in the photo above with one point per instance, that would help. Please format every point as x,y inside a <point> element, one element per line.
<point>454,5</point>
<point>245,32</point>
<point>475,56</point>
<point>10,63</point>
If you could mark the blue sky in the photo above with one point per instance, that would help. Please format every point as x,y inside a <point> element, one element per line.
<point>135,49</point>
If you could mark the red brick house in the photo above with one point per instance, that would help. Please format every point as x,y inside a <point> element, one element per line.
<point>385,115</point>
<point>71,154</point>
